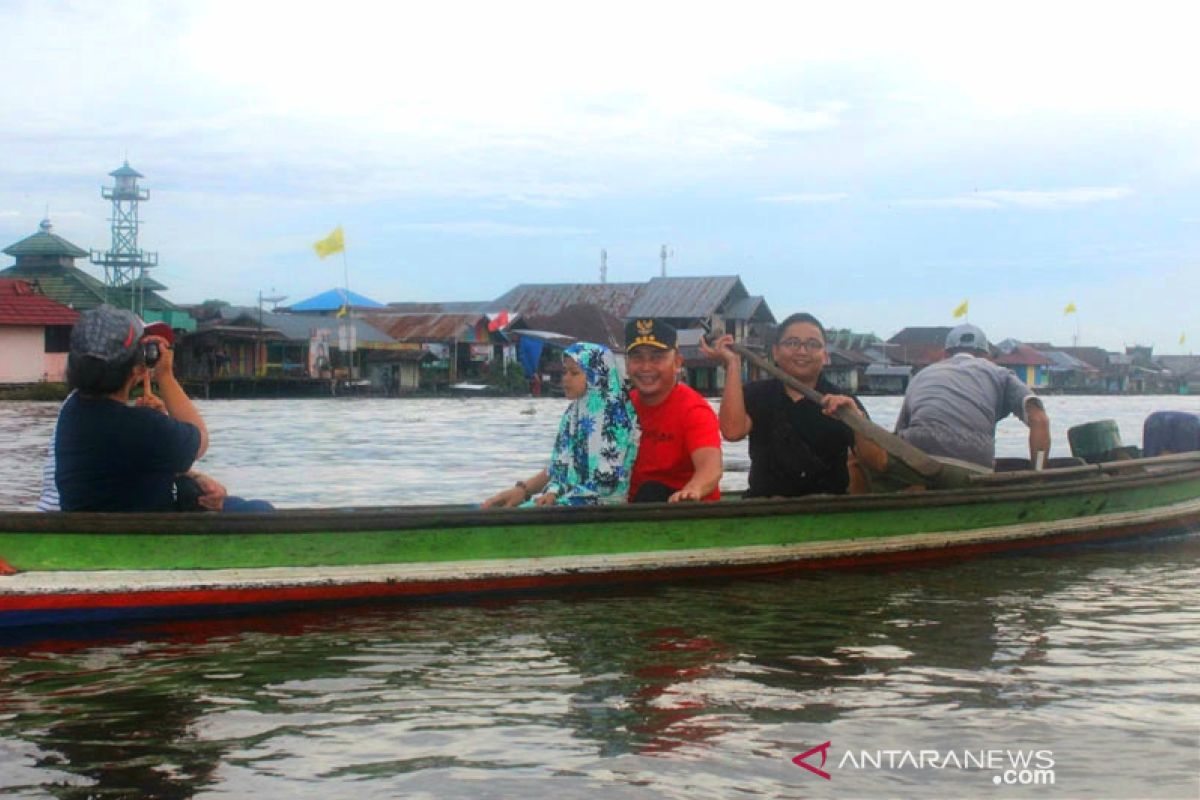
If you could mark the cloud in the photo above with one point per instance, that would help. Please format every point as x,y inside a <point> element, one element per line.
<point>485,228</point>
<point>964,201</point>
<point>805,198</point>
<point>513,134</point>
<point>545,195</point>
<point>1056,199</point>
<point>416,86</point>
<point>1023,198</point>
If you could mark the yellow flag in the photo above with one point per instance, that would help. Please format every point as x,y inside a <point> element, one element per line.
<point>344,310</point>
<point>1182,338</point>
<point>961,311</point>
<point>333,243</point>
<point>1070,309</point>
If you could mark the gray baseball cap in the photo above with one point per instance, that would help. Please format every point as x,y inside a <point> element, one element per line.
<point>967,337</point>
<point>107,333</point>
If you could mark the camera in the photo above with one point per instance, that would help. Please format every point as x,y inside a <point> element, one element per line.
<point>150,353</point>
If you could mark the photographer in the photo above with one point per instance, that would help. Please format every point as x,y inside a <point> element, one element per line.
<point>111,456</point>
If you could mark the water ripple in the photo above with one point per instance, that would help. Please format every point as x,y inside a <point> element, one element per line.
<point>688,691</point>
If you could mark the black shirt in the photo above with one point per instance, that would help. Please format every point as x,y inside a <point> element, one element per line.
<point>795,449</point>
<point>113,457</point>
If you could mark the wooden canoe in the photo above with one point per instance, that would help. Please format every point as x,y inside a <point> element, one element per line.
<point>86,567</point>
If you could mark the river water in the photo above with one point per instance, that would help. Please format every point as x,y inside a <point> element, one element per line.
<point>1086,662</point>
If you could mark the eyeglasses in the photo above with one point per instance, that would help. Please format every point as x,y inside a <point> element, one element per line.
<point>811,345</point>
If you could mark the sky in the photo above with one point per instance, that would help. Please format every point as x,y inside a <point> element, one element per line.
<point>875,164</point>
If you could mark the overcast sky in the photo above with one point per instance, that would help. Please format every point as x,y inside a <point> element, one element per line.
<point>875,164</point>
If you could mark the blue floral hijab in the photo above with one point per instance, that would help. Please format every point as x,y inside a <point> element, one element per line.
<point>597,439</point>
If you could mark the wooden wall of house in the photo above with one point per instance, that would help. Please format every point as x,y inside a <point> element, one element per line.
<point>393,377</point>
<point>241,358</point>
<point>707,381</point>
<point>1035,376</point>
<point>845,379</point>
<point>23,354</point>
<point>56,367</point>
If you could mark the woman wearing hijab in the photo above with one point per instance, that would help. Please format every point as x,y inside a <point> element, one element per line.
<point>596,442</point>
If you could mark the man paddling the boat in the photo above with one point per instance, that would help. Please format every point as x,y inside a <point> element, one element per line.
<point>680,455</point>
<point>796,447</point>
<point>951,407</point>
<point>110,456</point>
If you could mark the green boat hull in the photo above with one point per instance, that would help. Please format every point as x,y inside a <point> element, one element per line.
<point>76,564</point>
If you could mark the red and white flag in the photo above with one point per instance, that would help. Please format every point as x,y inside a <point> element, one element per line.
<point>498,321</point>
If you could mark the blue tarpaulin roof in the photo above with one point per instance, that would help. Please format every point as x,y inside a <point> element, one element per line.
<point>333,300</point>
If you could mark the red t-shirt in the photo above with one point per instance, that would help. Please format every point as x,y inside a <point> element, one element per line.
<point>671,431</point>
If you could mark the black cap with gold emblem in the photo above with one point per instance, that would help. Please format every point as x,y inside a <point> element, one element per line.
<point>650,332</point>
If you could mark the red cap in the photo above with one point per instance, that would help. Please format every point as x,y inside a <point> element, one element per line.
<point>160,329</point>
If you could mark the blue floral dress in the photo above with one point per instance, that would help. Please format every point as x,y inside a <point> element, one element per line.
<point>597,439</point>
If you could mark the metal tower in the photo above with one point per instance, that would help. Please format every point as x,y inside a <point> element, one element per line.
<point>124,264</point>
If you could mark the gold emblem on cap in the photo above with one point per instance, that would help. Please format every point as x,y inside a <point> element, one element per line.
<point>645,327</point>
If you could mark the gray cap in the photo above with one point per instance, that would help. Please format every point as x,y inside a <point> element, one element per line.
<point>107,333</point>
<point>967,337</point>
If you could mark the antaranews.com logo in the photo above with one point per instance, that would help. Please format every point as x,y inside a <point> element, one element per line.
<point>1007,767</point>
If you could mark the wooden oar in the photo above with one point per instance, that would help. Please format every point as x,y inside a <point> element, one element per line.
<point>933,471</point>
<point>1181,460</point>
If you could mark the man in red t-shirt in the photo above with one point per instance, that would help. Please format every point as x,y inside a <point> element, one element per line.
<point>679,455</point>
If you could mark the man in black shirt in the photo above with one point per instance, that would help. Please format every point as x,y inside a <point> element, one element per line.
<point>112,456</point>
<point>796,447</point>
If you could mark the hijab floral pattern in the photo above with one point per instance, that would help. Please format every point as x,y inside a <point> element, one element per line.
<point>597,439</point>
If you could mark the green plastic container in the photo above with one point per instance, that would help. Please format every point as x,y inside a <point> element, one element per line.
<point>1096,442</point>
